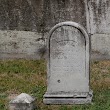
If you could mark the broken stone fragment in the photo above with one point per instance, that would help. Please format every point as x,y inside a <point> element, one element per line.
<point>22,102</point>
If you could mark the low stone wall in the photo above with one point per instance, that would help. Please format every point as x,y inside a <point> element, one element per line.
<point>100,44</point>
<point>21,44</point>
<point>32,45</point>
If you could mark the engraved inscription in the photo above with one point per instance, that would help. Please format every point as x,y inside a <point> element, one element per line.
<point>68,42</point>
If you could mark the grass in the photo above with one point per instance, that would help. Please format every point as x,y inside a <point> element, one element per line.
<point>18,76</point>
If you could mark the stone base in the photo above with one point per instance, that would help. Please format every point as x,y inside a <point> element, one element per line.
<point>68,100</point>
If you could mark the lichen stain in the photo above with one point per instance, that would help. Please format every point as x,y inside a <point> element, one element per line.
<point>100,13</point>
<point>39,15</point>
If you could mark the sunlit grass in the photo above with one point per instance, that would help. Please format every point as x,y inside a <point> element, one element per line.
<point>18,76</point>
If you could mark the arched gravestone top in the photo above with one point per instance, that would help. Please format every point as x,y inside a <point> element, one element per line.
<point>73,24</point>
<point>82,30</point>
<point>68,64</point>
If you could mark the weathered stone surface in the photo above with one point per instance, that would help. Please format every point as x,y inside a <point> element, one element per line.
<point>68,64</point>
<point>25,15</point>
<point>100,44</point>
<point>69,100</point>
<point>21,44</point>
<point>98,23</point>
<point>22,102</point>
<point>39,15</point>
<point>98,15</point>
<point>57,11</point>
<point>34,15</point>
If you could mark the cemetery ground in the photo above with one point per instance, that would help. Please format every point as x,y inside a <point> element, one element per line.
<point>28,76</point>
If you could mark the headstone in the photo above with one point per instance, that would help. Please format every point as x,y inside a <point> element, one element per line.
<point>68,65</point>
<point>22,102</point>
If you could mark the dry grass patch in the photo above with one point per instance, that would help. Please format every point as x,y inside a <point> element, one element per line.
<point>100,75</point>
<point>17,76</point>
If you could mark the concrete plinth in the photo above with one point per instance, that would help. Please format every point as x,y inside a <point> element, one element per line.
<point>68,98</point>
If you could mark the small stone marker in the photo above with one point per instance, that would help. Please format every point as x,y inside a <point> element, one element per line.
<point>22,102</point>
<point>68,65</point>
